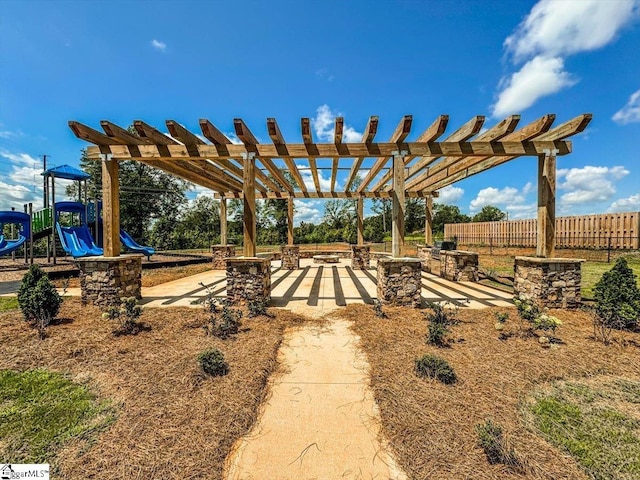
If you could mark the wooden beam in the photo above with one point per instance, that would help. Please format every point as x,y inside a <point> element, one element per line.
<point>290,221</point>
<point>360,227</point>
<point>398,207</point>
<point>367,137</point>
<point>157,137</point>
<point>90,135</point>
<point>435,131</point>
<point>113,130</point>
<point>400,133</point>
<point>334,173</point>
<point>345,150</point>
<point>274,132</point>
<point>428,220</point>
<point>307,138</point>
<point>249,213</point>
<point>223,221</point>
<point>568,129</point>
<point>498,131</point>
<point>476,164</point>
<point>211,133</point>
<point>291,165</point>
<point>546,205</point>
<point>186,171</point>
<point>327,195</point>
<point>111,208</point>
<point>277,174</point>
<point>314,173</point>
<point>338,130</point>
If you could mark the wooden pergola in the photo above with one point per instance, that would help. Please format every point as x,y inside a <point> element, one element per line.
<point>399,169</point>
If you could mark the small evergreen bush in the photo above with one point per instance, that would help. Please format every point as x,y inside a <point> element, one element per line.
<point>618,297</point>
<point>38,299</point>
<point>257,308</point>
<point>225,323</point>
<point>127,314</point>
<point>437,368</point>
<point>439,321</point>
<point>491,440</point>
<point>212,362</point>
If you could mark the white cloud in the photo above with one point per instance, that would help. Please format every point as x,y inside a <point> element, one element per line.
<point>528,188</point>
<point>26,174</point>
<point>324,126</point>
<point>589,183</point>
<point>308,211</point>
<point>159,45</point>
<point>15,196</point>
<point>494,196</point>
<point>567,27</point>
<point>517,212</point>
<point>325,74</point>
<point>537,78</point>
<point>450,194</point>
<point>19,158</point>
<point>307,178</point>
<point>629,204</point>
<point>553,30</point>
<point>630,112</point>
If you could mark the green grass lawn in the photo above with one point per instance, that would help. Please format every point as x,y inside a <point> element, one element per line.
<point>592,272</point>
<point>41,410</point>
<point>594,423</point>
<point>8,303</point>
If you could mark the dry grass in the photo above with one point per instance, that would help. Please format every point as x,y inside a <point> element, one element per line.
<point>173,421</point>
<point>431,426</point>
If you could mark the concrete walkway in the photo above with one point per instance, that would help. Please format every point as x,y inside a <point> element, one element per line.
<point>321,420</point>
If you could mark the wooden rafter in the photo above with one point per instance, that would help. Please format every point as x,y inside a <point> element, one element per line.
<point>307,138</point>
<point>338,131</point>
<point>367,137</point>
<point>328,195</point>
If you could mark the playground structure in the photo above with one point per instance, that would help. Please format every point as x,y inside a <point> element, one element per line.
<point>75,240</point>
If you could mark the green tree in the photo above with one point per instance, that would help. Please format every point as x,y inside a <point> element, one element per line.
<point>414,214</point>
<point>443,214</point>
<point>618,297</point>
<point>489,213</point>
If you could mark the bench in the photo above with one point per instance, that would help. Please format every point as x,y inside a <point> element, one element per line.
<point>326,259</point>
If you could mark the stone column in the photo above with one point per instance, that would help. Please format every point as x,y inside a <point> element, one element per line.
<point>248,280</point>
<point>105,280</point>
<point>290,256</point>
<point>459,266</point>
<point>219,255</point>
<point>550,282</point>
<point>399,281</point>
<point>360,257</point>
<point>424,254</point>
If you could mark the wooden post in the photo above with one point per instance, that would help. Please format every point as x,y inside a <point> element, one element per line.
<point>223,221</point>
<point>397,213</point>
<point>249,196</point>
<point>546,204</point>
<point>428,220</point>
<point>110,206</point>
<point>290,221</point>
<point>360,220</point>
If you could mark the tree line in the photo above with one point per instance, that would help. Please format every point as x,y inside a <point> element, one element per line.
<point>155,210</point>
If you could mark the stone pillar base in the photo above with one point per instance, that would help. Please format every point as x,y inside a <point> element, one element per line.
<point>399,281</point>
<point>220,253</point>
<point>290,255</point>
<point>550,282</point>
<point>248,280</point>
<point>360,257</point>
<point>424,254</point>
<point>459,266</point>
<point>105,280</point>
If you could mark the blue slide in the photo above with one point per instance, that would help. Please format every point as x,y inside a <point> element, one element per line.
<point>132,245</point>
<point>76,241</point>
<point>24,232</point>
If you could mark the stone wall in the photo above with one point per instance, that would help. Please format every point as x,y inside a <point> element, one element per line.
<point>248,280</point>
<point>459,266</point>
<point>399,281</point>
<point>424,254</point>
<point>105,280</point>
<point>360,257</point>
<point>290,255</point>
<point>550,282</point>
<point>219,255</point>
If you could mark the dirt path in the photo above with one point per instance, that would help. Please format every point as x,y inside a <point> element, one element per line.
<point>321,420</point>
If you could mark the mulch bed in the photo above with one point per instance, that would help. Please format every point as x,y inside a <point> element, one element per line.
<point>431,426</point>
<point>173,421</point>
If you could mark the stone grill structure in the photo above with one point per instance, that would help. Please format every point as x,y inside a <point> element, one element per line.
<point>219,254</point>
<point>105,280</point>
<point>424,254</point>
<point>290,255</point>
<point>360,257</point>
<point>550,282</point>
<point>399,281</point>
<point>459,266</point>
<point>248,280</point>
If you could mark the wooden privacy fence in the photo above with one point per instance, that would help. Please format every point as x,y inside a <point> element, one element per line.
<point>608,230</point>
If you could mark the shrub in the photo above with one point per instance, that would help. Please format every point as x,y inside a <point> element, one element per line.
<point>127,313</point>
<point>257,308</point>
<point>225,323</point>
<point>437,368</point>
<point>439,321</point>
<point>491,440</point>
<point>527,309</point>
<point>212,362</point>
<point>546,323</point>
<point>38,299</point>
<point>618,297</point>
<point>537,318</point>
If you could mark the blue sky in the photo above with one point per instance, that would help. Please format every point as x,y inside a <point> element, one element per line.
<point>186,60</point>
